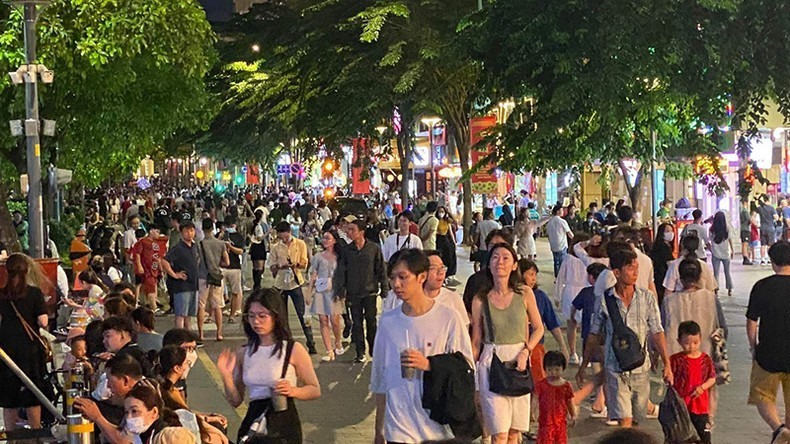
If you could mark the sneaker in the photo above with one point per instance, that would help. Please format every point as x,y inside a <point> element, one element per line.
<point>529,436</point>
<point>602,414</point>
<point>747,261</point>
<point>574,360</point>
<point>453,282</point>
<point>612,422</point>
<point>346,331</point>
<point>159,312</point>
<point>246,288</point>
<point>311,349</point>
<point>360,359</point>
<point>340,351</point>
<point>199,343</point>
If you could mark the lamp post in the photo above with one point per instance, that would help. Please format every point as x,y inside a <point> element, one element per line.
<point>431,122</point>
<point>29,74</point>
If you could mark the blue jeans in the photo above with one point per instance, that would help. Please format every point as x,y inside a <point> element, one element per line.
<point>558,258</point>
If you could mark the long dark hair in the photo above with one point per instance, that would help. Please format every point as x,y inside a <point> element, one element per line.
<point>169,357</point>
<point>336,247</point>
<point>17,267</point>
<point>719,228</point>
<point>272,301</point>
<point>513,281</point>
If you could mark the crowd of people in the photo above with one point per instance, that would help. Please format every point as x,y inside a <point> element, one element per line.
<point>641,305</point>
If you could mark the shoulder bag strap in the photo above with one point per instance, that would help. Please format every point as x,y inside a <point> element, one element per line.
<point>490,323</point>
<point>289,348</point>
<point>32,334</point>
<point>614,311</point>
<point>203,251</point>
<point>425,222</point>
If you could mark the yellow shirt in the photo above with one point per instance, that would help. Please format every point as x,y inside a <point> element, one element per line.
<point>296,251</point>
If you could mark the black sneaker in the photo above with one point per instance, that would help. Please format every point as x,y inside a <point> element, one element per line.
<point>199,343</point>
<point>360,359</point>
<point>311,350</point>
<point>747,261</point>
<point>346,331</point>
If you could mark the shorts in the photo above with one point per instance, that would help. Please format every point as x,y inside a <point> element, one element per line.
<point>232,279</point>
<point>767,237</point>
<point>150,283</point>
<point>536,363</point>
<point>185,303</point>
<point>627,394</point>
<point>763,385</point>
<point>746,237</point>
<point>210,294</point>
<point>258,252</point>
<point>755,244</point>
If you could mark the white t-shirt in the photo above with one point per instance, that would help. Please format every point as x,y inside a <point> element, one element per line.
<point>115,275</point>
<point>672,279</point>
<point>645,270</point>
<point>397,242</point>
<point>557,229</point>
<point>129,239</point>
<point>438,331</point>
<point>446,297</point>
<point>484,227</point>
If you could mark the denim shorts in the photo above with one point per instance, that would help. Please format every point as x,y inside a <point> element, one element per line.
<point>185,303</point>
<point>627,394</point>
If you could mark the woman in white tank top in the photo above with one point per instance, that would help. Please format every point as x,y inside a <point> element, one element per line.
<point>258,367</point>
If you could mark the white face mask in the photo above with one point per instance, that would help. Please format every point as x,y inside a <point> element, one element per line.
<point>192,357</point>
<point>136,425</point>
<point>669,236</point>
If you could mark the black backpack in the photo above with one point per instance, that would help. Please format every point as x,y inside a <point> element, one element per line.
<point>628,350</point>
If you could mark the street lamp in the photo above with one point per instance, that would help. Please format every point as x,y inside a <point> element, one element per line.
<point>28,74</point>
<point>431,122</point>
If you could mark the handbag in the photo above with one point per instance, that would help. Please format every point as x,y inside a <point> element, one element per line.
<point>628,350</point>
<point>259,429</point>
<point>323,285</point>
<point>33,335</point>
<point>503,377</point>
<point>213,278</point>
<point>718,355</point>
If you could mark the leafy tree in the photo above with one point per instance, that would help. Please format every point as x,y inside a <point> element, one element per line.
<point>129,74</point>
<point>604,77</point>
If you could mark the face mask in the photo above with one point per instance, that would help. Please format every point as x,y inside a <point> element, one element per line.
<point>231,230</point>
<point>136,425</point>
<point>669,236</point>
<point>191,360</point>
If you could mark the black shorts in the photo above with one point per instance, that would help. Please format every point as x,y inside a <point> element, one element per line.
<point>767,238</point>
<point>258,252</point>
<point>746,237</point>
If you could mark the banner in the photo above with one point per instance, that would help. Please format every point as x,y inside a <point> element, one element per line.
<point>358,185</point>
<point>253,174</point>
<point>483,181</point>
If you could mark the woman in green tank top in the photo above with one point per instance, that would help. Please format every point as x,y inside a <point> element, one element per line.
<point>512,309</point>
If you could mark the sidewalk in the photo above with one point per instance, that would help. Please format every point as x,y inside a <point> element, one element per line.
<point>345,412</point>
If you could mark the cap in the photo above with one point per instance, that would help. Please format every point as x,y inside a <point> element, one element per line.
<point>350,218</point>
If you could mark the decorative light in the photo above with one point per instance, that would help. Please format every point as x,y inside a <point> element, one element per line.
<point>200,174</point>
<point>203,161</point>
<point>256,48</point>
<point>390,178</point>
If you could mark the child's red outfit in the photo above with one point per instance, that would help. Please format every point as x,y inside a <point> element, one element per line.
<point>690,373</point>
<point>553,405</point>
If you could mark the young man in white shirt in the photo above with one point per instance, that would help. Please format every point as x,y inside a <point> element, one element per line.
<point>406,336</point>
<point>402,239</point>
<point>559,232</point>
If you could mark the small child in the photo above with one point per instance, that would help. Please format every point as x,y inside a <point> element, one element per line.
<point>557,401</point>
<point>585,302</point>
<point>694,375</point>
<point>78,353</point>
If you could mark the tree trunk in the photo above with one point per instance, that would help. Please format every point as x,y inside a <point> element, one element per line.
<point>461,133</point>
<point>7,231</point>
<point>635,192</point>
<point>404,154</point>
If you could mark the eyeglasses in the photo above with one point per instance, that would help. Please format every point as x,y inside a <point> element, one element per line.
<point>252,317</point>
<point>442,268</point>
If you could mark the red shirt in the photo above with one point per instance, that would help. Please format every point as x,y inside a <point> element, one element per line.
<point>754,233</point>
<point>553,405</point>
<point>150,253</point>
<point>689,374</point>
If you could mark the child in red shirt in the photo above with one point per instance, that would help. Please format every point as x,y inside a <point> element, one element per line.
<point>557,401</point>
<point>694,375</point>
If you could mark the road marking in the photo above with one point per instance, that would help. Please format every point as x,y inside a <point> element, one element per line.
<point>213,372</point>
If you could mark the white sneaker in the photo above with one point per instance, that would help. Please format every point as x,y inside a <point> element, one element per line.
<point>602,414</point>
<point>574,360</point>
<point>340,351</point>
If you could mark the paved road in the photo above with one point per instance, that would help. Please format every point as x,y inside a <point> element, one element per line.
<point>345,412</point>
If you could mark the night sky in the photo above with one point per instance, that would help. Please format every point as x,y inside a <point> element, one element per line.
<point>218,10</point>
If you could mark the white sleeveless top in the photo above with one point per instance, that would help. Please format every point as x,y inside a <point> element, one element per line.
<point>261,371</point>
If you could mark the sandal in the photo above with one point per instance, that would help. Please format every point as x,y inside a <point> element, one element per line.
<point>328,357</point>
